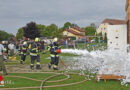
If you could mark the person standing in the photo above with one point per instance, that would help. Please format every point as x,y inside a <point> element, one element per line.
<point>54,49</point>
<point>34,54</point>
<point>11,48</point>
<point>23,52</point>
<point>42,47</point>
<point>2,66</point>
<point>5,44</point>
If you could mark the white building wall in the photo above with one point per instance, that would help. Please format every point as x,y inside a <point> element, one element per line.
<point>117,37</point>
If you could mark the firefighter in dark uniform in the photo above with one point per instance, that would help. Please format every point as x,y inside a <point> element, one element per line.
<point>20,48</point>
<point>2,65</point>
<point>5,44</point>
<point>54,49</point>
<point>23,52</point>
<point>34,54</point>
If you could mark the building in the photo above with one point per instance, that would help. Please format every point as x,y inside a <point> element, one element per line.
<point>74,32</point>
<point>117,37</point>
<point>104,25</point>
<point>128,20</point>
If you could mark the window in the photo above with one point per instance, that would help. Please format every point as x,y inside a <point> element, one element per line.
<point>116,37</point>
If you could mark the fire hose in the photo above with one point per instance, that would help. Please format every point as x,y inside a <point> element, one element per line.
<point>46,80</point>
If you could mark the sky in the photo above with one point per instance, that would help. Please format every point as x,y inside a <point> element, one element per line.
<point>17,13</point>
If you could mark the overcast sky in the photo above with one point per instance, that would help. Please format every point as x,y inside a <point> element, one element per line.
<point>17,13</point>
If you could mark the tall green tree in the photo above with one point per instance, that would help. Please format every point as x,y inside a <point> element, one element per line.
<point>93,25</point>
<point>90,31</point>
<point>105,38</point>
<point>99,34</point>
<point>20,33</point>
<point>31,30</point>
<point>66,26</point>
<point>4,35</point>
<point>52,30</point>
<point>42,29</point>
<point>74,25</point>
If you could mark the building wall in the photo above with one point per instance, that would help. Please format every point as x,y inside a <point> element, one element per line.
<point>103,28</point>
<point>128,20</point>
<point>128,32</point>
<point>117,37</point>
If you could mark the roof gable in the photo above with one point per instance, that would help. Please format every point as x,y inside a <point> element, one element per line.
<point>114,21</point>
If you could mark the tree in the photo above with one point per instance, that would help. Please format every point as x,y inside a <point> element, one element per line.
<point>4,35</point>
<point>96,39</point>
<point>74,25</point>
<point>52,30</point>
<point>31,30</point>
<point>42,29</point>
<point>20,33</point>
<point>93,25</point>
<point>90,31</point>
<point>105,38</point>
<point>99,34</point>
<point>66,26</point>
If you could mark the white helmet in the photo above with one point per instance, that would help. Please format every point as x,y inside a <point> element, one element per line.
<point>24,43</point>
<point>55,39</point>
<point>3,42</point>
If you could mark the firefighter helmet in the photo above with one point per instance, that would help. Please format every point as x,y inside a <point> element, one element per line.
<point>24,43</point>
<point>3,42</point>
<point>55,39</point>
<point>37,39</point>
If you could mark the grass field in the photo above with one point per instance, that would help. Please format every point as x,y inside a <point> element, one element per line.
<point>88,85</point>
<point>44,58</point>
<point>13,82</point>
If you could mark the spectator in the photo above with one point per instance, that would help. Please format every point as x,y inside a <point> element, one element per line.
<point>42,47</point>
<point>2,65</point>
<point>11,47</point>
<point>64,44</point>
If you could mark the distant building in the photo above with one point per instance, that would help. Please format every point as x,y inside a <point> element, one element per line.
<point>74,32</point>
<point>104,25</point>
<point>128,20</point>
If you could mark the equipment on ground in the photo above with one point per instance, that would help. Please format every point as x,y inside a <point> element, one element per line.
<point>62,63</point>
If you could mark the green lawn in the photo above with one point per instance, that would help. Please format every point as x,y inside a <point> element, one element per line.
<point>44,58</point>
<point>88,85</point>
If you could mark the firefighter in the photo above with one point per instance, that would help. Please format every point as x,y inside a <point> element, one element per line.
<point>34,54</point>
<point>20,48</point>
<point>54,49</point>
<point>5,44</point>
<point>2,65</point>
<point>23,52</point>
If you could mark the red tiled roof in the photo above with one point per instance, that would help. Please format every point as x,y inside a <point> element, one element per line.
<point>79,29</point>
<point>73,32</point>
<point>114,21</point>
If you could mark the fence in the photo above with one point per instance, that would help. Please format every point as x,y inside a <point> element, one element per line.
<point>90,46</point>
